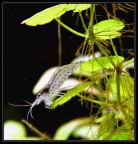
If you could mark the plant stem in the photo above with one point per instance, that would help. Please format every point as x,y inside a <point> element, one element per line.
<point>91,100</point>
<point>114,49</point>
<point>83,23</point>
<point>59,45</point>
<point>104,52</point>
<point>69,29</point>
<point>46,137</point>
<point>128,62</point>
<point>118,86</point>
<point>92,12</point>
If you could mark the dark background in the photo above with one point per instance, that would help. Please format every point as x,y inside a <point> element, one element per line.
<point>29,51</point>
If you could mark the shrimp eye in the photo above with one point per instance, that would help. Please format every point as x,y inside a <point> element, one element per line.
<point>38,95</point>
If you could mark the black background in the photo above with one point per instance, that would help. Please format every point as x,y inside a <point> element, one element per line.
<point>29,51</point>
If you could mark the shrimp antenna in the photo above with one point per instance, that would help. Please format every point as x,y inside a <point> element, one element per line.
<point>26,101</point>
<point>21,105</point>
<point>30,110</point>
<point>18,105</point>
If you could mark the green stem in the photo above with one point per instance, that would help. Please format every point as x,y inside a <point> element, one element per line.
<point>69,29</point>
<point>89,30</point>
<point>114,49</point>
<point>118,86</point>
<point>91,100</point>
<point>44,136</point>
<point>59,45</point>
<point>128,62</point>
<point>104,52</point>
<point>92,12</point>
<point>83,23</point>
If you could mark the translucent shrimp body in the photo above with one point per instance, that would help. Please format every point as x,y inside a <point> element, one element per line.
<point>52,88</point>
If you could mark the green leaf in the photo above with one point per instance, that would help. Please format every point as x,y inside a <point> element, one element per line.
<point>65,130</point>
<point>73,92</point>
<point>46,15</point>
<point>107,29</point>
<point>107,125</point>
<point>126,88</point>
<point>96,65</point>
<point>14,130</point>
<point>120,134</point>
<point>78,7</point>
<point>51,13</point>
<point>88,131</point>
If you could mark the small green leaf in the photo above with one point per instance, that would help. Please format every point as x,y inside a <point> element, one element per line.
<point>14,130</point>
<point>107,29</point>
<point>78,7</point>
<point>46,15</point>
<point>120,135</point>
<point>73,92</point>
<point>88,131</point>
<point>96,65</point>
<point>65,130</point>
<point>107,125</point>
<point>126,88</point>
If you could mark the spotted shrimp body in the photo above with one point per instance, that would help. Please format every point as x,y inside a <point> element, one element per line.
<point>52,88</point>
